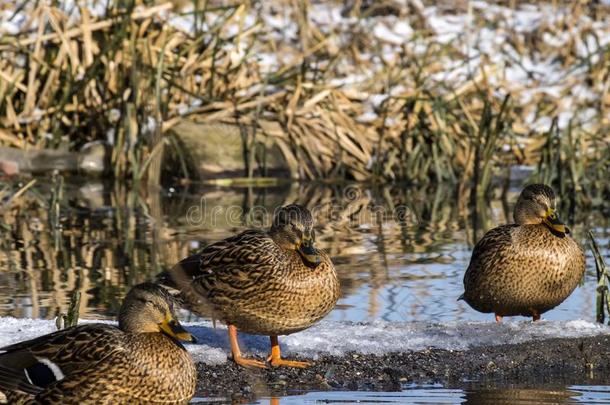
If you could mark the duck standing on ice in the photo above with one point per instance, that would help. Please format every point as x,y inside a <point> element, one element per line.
<point>264,283</point>
<point>525,268</point>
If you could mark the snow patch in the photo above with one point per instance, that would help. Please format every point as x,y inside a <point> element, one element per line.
<point>338,338</point>
<point>479,36</point>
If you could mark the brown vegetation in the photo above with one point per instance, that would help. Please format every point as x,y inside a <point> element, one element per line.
<point>68,77</point>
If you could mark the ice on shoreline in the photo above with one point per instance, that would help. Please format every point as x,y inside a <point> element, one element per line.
<point>338,338</point>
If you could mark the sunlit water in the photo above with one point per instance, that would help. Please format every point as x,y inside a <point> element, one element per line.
<point>400,252</point>
<point>574,394</point>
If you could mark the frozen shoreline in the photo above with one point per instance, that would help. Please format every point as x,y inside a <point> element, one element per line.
<point>384,356</point>
<point>561,361</point>
<point>329,338</point>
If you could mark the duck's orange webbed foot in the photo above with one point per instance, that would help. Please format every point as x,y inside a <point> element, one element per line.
<point>237,357</point>
<point>288,363</point>
<point>275,359</point>
<point>249,363</point>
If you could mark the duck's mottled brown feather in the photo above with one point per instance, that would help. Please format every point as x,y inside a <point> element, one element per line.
<point>249,281</point>
<point>522,270</point>
<point>75,348</point>
<point>137,371</point>
<point>102,364</point>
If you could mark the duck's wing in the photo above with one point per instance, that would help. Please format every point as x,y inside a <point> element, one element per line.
<point>107,379</point>
<point>230,266</point>
<point>488,250</point>
<point>125,377</point>
<point>44,360</point>
<point>12,380</point>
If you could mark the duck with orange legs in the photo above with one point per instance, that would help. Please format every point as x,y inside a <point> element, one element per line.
<point>273,283</point>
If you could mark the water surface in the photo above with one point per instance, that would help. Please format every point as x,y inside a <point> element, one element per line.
<point>400,252</point>
<point>436,394</point>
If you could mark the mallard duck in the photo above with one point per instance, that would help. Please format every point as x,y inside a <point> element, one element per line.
<point>526,268</point>
<point>265,283</point>
<point>141,361</point>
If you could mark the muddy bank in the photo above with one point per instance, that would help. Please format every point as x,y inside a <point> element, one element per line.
<point>565,360</point>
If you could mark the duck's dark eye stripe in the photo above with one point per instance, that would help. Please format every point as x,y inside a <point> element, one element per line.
<point>159,307</point>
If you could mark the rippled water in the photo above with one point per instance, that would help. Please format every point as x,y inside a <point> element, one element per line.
<point>575,394</point>
<point>400,252</point>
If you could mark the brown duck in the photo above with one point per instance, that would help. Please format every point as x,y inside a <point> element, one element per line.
<point>526,268</point>
<point>141,361</point>
<point>265,283</point>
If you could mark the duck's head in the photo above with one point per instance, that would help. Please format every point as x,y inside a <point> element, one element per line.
<point>150,308</point>
<point>536,205</point>
<point>292,229</point>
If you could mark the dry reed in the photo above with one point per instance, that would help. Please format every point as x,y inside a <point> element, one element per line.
<point>131,73</point>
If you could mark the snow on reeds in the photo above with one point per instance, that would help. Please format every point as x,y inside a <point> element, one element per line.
<point>369,90</point>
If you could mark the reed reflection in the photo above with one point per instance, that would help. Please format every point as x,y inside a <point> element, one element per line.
<point>400,251</point>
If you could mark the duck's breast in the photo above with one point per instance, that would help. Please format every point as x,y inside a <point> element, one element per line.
<point>526,268</point>
<point>289,298</point>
